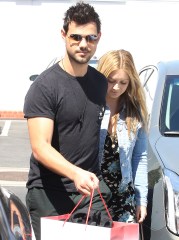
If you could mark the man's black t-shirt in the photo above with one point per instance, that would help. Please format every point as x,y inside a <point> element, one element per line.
<point>76,105</point>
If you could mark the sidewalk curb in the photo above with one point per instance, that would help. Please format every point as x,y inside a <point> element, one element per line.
<point>11,115</point>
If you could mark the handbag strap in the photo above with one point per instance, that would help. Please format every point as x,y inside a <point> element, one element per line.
<point>90,205</point>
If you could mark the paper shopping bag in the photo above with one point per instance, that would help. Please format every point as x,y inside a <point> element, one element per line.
<point>124,231</point>
<point>53,228</point>
<point>58,227</point>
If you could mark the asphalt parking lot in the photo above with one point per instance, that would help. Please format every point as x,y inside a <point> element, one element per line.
<point>14,156</point>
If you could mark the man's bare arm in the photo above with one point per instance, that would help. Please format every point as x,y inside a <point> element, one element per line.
<point>40,133</point>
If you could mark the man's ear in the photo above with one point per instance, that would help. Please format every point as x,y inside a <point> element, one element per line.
<point>63,34</point>
<point>99,36</point>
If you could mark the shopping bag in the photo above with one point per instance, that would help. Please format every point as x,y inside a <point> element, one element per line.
<point>58,227</point>
<point>124,231</point>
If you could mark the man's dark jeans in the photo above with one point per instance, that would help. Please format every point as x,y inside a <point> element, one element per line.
<point>44,202</point>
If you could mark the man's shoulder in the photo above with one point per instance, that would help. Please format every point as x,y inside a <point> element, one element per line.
<point>53,70</point>
<point>51,75</point>
<point>94,72</point>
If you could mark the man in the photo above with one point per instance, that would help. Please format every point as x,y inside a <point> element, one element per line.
<point>64,108</point>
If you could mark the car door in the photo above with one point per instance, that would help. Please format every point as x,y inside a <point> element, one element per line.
<point>14,217</point>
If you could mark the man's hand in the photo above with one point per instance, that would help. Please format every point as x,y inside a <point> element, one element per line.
<point>85,181</point>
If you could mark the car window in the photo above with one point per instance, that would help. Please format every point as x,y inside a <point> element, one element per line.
<point>93,62</point>
<point>169,120</point>
<point>149,77</point>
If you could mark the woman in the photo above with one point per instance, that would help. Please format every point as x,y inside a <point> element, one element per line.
<point>123,139</point>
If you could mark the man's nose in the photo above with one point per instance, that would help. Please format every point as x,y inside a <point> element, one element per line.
<point>83,42</point>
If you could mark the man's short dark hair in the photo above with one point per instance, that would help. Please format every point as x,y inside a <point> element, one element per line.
<point>81,13</point>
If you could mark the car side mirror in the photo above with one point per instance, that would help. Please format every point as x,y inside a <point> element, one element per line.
<point>33,77</point>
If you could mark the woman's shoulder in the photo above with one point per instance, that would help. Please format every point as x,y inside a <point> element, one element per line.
<point>105,120</point>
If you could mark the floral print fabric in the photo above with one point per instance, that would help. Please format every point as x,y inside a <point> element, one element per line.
<point>121,205</point>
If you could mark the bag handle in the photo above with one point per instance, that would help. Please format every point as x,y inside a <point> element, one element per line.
<point>90,205</point>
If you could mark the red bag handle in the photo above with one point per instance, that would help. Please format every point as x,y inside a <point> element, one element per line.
<point>90,205</point>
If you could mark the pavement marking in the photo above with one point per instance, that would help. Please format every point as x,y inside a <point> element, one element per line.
<point>13,169</point>
<point>12,183</point>
<point>5,129</point>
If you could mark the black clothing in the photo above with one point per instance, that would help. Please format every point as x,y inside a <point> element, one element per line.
<point>95,218</point>
<point>50,202</point>
<point>76,104</point>
<point>121,205</point>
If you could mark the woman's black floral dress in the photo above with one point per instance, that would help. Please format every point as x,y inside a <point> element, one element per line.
<point>121,205</point>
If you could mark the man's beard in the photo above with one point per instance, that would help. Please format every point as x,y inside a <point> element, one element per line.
<point>79,60</point>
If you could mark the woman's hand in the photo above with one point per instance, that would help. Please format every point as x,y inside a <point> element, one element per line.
<point>141,213</point>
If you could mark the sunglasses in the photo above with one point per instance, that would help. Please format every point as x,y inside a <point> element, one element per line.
<point>76,38</point>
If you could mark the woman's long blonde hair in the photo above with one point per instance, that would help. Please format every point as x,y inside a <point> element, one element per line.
<point>134,97</point>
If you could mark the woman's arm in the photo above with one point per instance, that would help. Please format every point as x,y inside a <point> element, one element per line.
<point>140,173</point>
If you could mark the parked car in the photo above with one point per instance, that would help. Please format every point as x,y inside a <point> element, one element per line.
<point>14,218</point>
<point>161,84</point>
<point>92,62</point>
